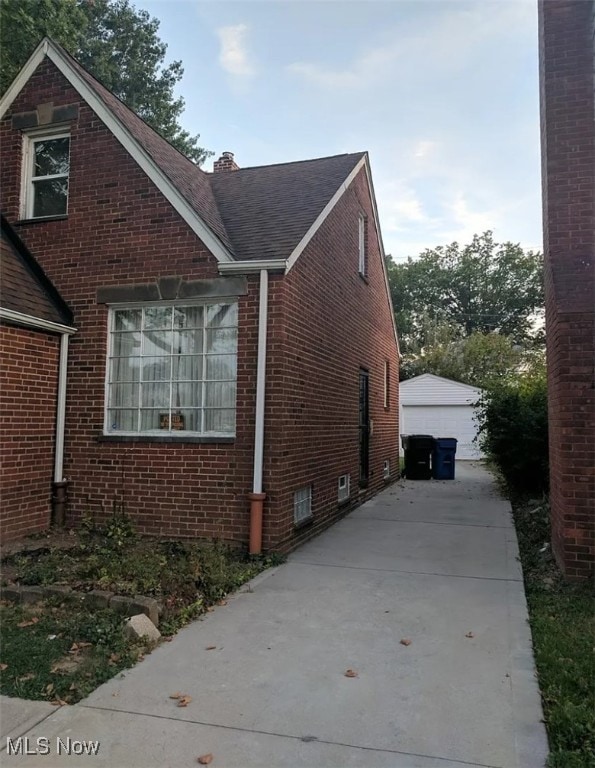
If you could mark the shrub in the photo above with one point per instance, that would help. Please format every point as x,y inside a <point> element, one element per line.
<point>513,430</point>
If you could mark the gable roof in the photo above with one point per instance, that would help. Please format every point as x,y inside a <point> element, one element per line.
<point>25,289</point>
<point>438,379</point>
<point>259,213</point>
<point>268,209</point>
<point>181,182</point>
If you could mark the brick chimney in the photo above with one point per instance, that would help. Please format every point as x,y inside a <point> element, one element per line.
<point>225,163</point>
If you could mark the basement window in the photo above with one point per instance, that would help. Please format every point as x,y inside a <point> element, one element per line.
<point>343,488</point>
<point>46,171</point>
<point>302,505</point>
<point>386,470</point>
<point>172,370</point>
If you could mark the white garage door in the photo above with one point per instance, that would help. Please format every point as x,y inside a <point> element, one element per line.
<point>443,421</point>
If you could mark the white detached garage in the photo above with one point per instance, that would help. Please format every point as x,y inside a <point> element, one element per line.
<point>432,405</point>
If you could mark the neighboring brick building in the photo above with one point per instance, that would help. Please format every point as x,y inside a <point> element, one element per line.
<point>235,341</point>
<point>33,321</point>
<point>567,33</point>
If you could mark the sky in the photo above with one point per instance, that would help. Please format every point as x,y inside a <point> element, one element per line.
<point>443,94</point>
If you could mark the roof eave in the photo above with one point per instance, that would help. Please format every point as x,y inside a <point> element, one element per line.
<point>123,135</point>
<point>251,266</point>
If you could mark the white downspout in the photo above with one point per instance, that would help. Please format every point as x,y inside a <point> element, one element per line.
<point>257,496</point>
<point>60,485</point>
<point>260,380</point>
<point>61,410</point>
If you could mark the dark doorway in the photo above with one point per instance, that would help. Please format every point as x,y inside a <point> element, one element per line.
<point>364,428</point>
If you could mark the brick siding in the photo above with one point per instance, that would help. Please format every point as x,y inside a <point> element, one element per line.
<point>568,158</point>
<point>120,230</point>
<point>28,391</point>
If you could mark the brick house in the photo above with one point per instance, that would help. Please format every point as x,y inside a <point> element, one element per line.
<point>234,370</point>
<point>566,47</point>
<point>35,325</point>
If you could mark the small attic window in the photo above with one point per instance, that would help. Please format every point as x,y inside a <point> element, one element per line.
<point>46,171</point>
<point>363,244</point>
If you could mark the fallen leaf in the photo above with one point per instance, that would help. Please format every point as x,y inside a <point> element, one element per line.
<point>3,667</point>
<point>28,676</point>
<point>351,673</point>
<point>205,759</point>
<point>211,648</point>
<point>183,701</point>
<point>28,623</point>
<point>210,608</point>
<point>405,641</point>
<point>49,689</point>
<point>469,634</point>
<point>222,602</point>
<point>58,703</point>
<point>176,695</point>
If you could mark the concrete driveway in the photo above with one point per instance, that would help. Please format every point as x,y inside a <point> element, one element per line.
<point>433,562</point>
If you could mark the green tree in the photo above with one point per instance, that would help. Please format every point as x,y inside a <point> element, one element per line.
<point>116,42</point>
<point>481,359</point>
<point>481,287</point>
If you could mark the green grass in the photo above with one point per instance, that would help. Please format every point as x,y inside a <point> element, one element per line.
<point>38,659</point>
<point>46,660</point>
<point>562,617</point>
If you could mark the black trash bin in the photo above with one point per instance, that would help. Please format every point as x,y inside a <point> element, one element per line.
<point>443,458</point>
<point>418,449</point>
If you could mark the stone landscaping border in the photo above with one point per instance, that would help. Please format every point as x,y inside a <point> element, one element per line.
<point>97,599</point>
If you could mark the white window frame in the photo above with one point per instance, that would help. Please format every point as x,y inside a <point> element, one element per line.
<point>362,245</point>
<point>302,500</point>
<point>343,488</point>
<point>169,433</point>
<point>386,384</point>
<point>28,180</point>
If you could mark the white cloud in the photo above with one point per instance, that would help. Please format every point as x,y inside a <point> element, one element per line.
<point>233,56</point>
<point>467,222</point>
<point>416,52</point>
<point>401,208</point>
<point>424,148</point>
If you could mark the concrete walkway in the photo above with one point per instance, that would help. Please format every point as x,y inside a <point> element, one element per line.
<point>434,562</point>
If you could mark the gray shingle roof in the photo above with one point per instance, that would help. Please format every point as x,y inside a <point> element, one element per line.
<point>268,209</point>
<point>257,213</point>
<point>24,287</point>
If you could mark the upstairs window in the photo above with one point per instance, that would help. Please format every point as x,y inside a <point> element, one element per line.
<point>172,370</point>
<point>46,171</point>
<point>363,244</point>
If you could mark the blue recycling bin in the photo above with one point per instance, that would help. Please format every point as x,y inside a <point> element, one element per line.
<point>443,458</point>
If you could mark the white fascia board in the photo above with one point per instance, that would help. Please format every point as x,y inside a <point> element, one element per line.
<point>23,77</point>
<point>323,215</point>
<point>130,144</point>
<point>459,384</point>
<point>251,266</point>
<point>34,322</point>
<point>382,254</point>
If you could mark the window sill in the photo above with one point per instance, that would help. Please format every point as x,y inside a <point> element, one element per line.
<point>303,523</point>
<point>343,502</point>
<point>164,439</point>
<point>42,219</point>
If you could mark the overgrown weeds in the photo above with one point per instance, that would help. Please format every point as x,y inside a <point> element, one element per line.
<point>562,617</point>
<point>62,651</point>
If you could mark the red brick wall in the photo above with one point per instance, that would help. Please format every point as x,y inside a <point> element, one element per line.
<point>28,391</point>
<point>120,230</point>
<point>329,324</point>
<point>568,158</point>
